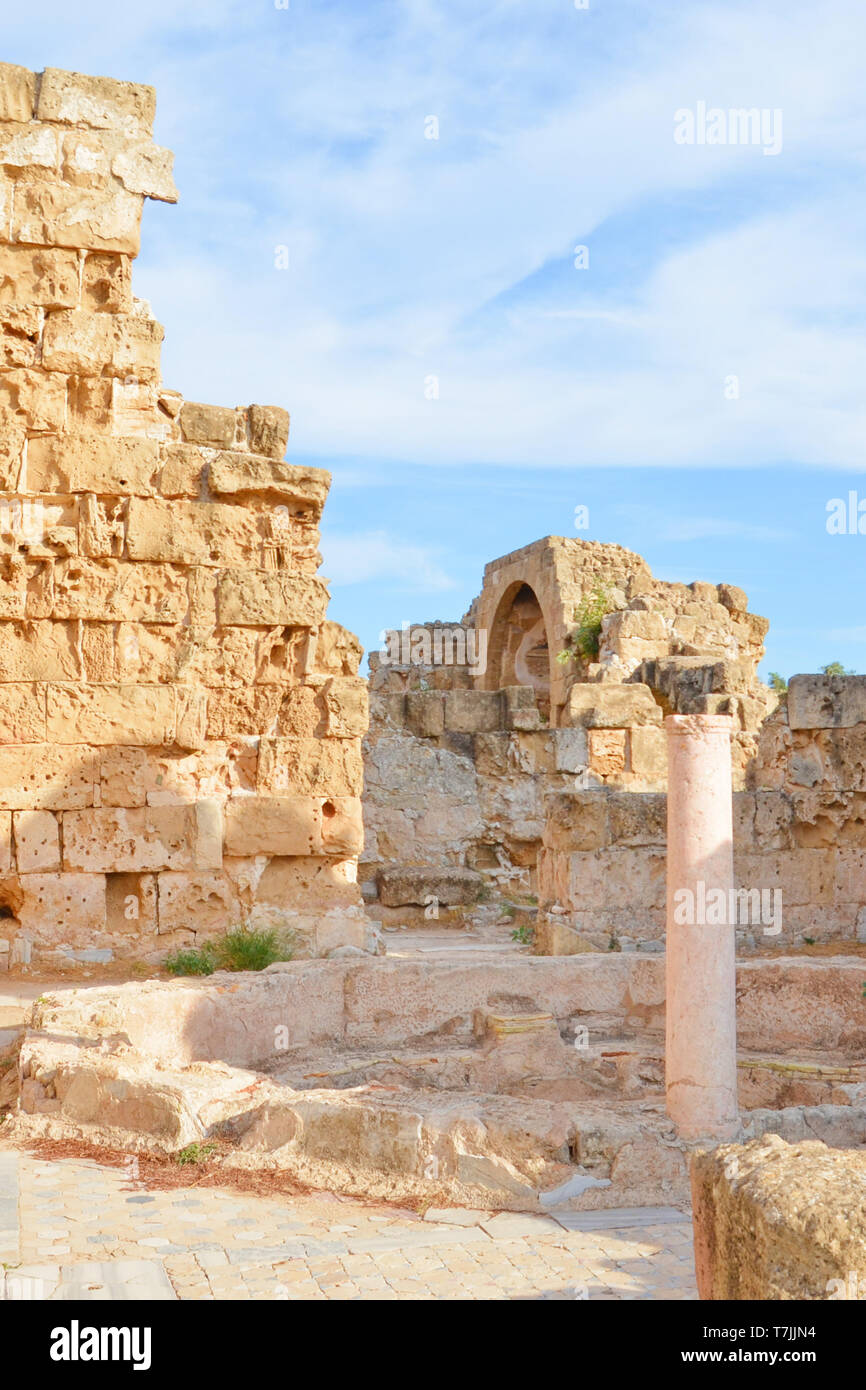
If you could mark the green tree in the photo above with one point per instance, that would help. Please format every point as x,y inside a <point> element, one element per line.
<point>835,668</point>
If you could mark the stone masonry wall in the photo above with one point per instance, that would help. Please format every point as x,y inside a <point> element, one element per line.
<point>456,778</point>
<point>461,756</point>
<point>180,724</point>
<point>799,826</point>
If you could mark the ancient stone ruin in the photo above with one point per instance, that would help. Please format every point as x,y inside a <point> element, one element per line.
<point>180,723</point>
<point>492,1017</point>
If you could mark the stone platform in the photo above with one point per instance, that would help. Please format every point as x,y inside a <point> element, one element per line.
<point>483,1079</point>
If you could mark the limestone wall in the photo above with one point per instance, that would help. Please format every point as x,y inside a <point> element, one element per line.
<point>179,723</point>
<point>799,827</point>
<point>474,724</point>
<point>456,777</point>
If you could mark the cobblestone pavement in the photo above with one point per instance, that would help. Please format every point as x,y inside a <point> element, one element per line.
<point>73,1228</point>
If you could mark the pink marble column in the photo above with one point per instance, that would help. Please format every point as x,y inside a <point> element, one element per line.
<point>701,1020</point>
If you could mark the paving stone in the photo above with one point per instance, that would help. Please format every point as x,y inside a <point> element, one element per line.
<point>457,1216</point>
<point>315,1257</point>
<point>619,1218</point>
<point>515,1225</point>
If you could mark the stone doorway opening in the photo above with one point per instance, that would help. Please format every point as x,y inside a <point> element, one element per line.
<point>519,648</point>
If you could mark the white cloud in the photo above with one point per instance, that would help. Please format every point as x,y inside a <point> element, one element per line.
<point>305,127</point>
<point>375,555</point>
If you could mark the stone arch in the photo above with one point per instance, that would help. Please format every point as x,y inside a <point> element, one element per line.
<point>518,650</point>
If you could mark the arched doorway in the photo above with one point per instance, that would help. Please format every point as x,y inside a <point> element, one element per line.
<point>518,651</point>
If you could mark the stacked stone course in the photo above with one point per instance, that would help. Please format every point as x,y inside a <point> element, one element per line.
<point>180,723</point>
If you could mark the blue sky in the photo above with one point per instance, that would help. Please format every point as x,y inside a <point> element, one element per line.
<point>411,258</point>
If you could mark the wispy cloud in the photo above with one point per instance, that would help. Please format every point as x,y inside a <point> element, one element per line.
<point>411,258</point>
<point>375,555</point>
<point>663,524</point>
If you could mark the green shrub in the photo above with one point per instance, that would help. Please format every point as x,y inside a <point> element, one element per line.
<point>190,962</point>
<point>194,1153</point>
<point>584,641</point>
<point>239,949</point>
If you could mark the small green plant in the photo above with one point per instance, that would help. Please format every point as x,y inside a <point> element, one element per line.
<point>509,910</point>
<point>190,962</point>
<point>239,949</point>
<point>613,944</point>
<point>777,683</point>
<point>194,1153</point>
<point>522,934</point>
<point>584,641</point>
<point>835,668</point>
<point>809,940</point>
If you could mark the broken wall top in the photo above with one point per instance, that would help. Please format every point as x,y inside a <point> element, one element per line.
<point>172,696</point>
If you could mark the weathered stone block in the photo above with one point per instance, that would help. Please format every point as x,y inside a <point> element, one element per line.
<point>302,714</point>
<point>520,708</point>
<point>106,283</point>
<point>59,214</point>
<point>425,713</point>
<point>231,713</point>
<point>601,706</point>
<point>607,751</point>
<point>648,754</point>
<point>100,344</point>
<point>342,826</point>
<point>100,714</point>
<point>347,707</point>
<point>63,907</point>
<point>49,776</point>
<point>131,904</point>
<point>22,713</point>
<point>273,825</point>
<point>99,102</point>
<point>37,841</point>
<point>269,430</point>
<point>570,750</point>
<point>17,92</point>
<point>213,425</point>
<point>182,468</point>
<point>637,818</point>
<point>129,840</point>
<point>473,711</point>
<point>193,533</point>
<point>36,398</point>
<point>257,599</point>
<point>206,903</point>
<point>577,821</point>
<point>117,591</point>
<point>93,463</point>
<point>826,702</point>
<point>450,887</point>
<point>309,766</point>
<point>761,1234</point>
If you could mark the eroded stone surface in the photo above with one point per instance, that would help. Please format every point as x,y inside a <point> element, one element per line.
<point>160,613</point>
